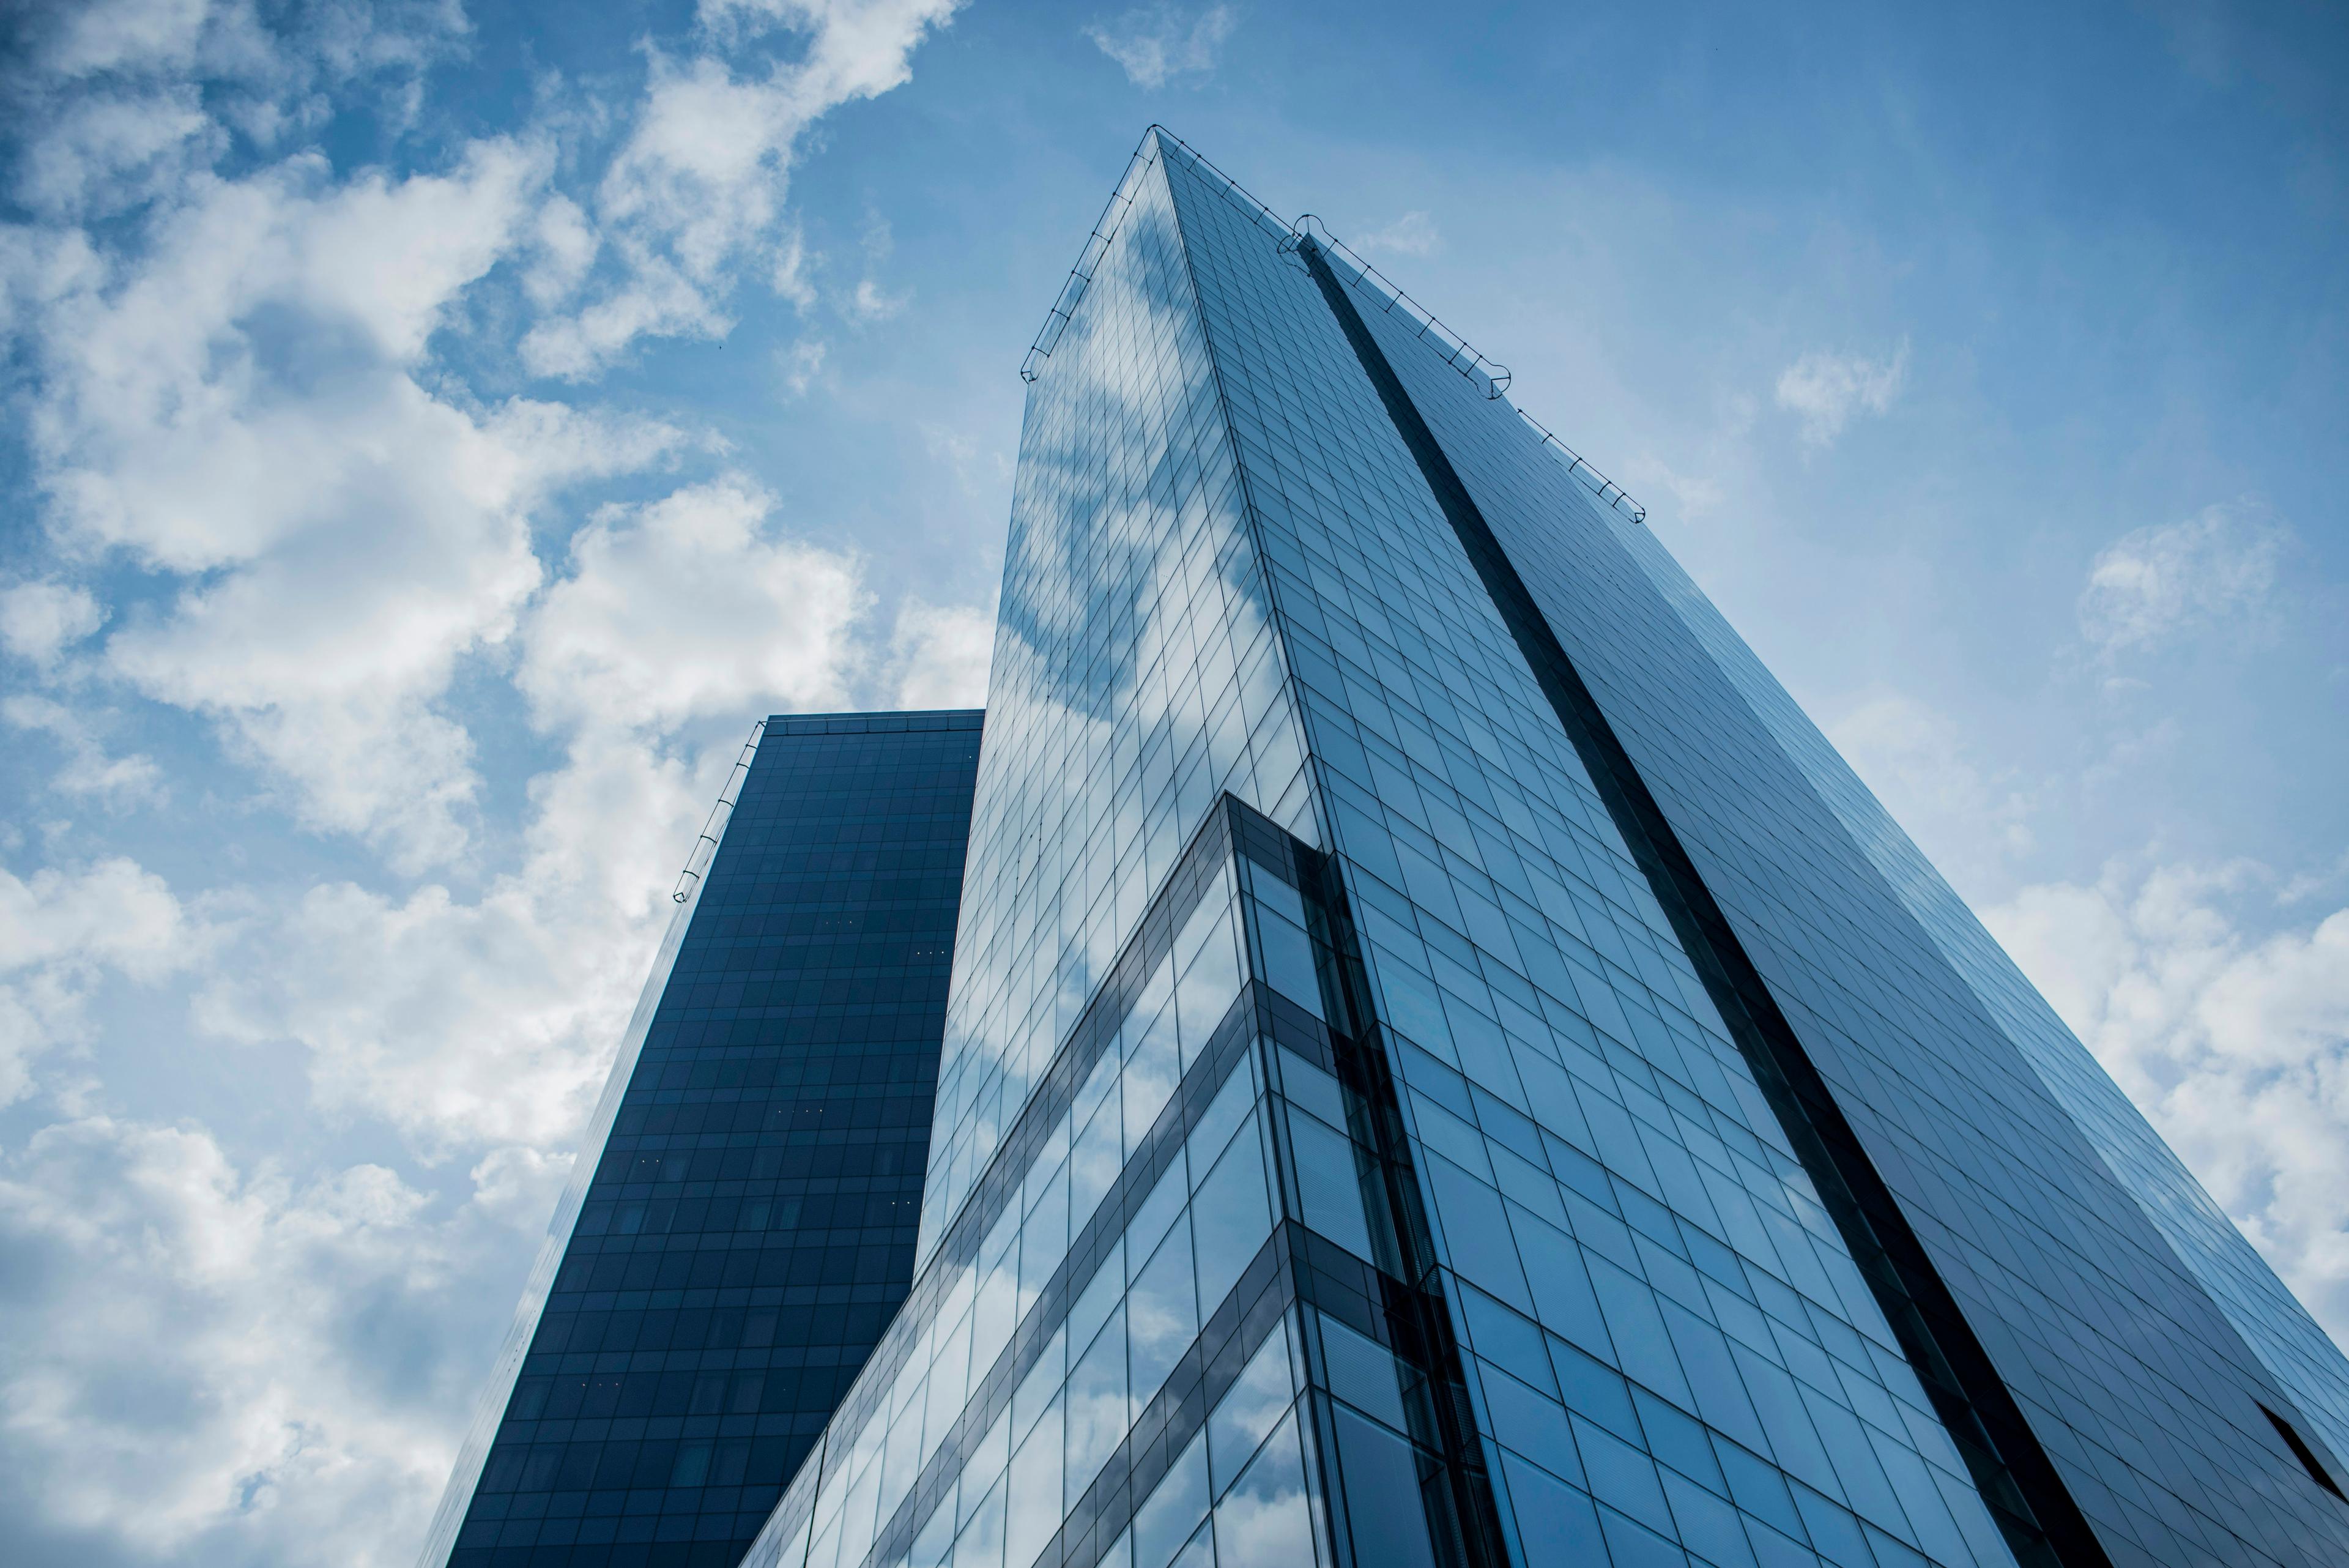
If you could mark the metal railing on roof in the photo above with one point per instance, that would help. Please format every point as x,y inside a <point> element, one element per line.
<point>697,863</point>
<point>1080,276</point>
<point>1491,376</point>
<point>1105,228</point>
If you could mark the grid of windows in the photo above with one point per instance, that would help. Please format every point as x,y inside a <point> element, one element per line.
<point>1134,678</point>
<point>1620,1222</point>
<point>748,1228</point>
<point>2276,1325</point>
<point>1979,1110</point>
<point>1085,1296</point>
<point>1340,1155</point>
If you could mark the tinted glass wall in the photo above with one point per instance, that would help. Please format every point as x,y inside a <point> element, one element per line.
<point>2149,1352</point>
<point>748,1228</point>
<point>1445,1067</point>
<point>1664,1341</point>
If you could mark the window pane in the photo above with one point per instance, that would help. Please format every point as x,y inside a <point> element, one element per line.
<point>1383,1511</point>
<point>1263,1522</point>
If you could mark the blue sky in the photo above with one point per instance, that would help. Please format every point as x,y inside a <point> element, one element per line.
<point>435,433</point>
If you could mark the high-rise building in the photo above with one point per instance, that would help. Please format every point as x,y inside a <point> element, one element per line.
<point>742,1227</point>
<point>1445,1064</point>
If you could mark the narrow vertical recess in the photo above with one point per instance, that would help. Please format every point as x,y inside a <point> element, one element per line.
<point>2042,1522</point>
<point>1463,1519</point>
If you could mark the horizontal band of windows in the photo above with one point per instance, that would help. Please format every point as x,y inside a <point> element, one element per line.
<point>687,1358</point>
<point>1226,1051</point>
<point>703,1329</point>
<point>1193,873</point>
<point>893,722</point>
<point>1248,1315</point>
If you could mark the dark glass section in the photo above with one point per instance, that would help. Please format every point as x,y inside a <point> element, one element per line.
<point>750,1227</point>
<point>2302,1451</point>
<point>2119,1322</point>
<point>2027,1497</point>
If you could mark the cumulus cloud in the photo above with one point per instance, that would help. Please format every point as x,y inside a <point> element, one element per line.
<point>1825,389</point>
<point>697,191</point>
<point>203,1361</point>
<point>1413,235</point>
<point>110,149</point>
<point>207,400</point>
<point>490,1022</point>
<point>276,422</point>
<point>696,604</point>
<point>1155,45</point>
<point>2227,1021</point>
<point>121,35</point>
<point>477,1023</point>
<point>112,85</point>
<point>242,407</point>
<point>2216,570</point>
<point>461,1023</point>
<point>325,654</point>
<point>939,655</point>
<point>40,620</point>
<point>116,783</point>
<point>62,934</point>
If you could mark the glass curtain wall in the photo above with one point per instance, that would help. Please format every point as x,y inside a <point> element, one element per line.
<point>743,1226</point>
<point>2151,1351</point>
<point>1633,1259</point>
<point>1343,1154</point>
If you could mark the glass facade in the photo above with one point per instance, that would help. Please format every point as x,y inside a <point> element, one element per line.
<point>726,1260</point>
<point>1445,1065</point>
<point>2169,1380</point>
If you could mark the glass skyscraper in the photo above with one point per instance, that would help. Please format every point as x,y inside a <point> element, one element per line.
<point>743,1230</point>
<point>1446,1067</point>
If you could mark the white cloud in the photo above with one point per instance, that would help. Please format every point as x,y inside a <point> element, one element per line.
<point>474,1024</point>
<point>116,783</point>
<point>460,1023</point>
<point>106,150</point>
<point>489,1023</point>
<point>199,398</point>
<point>802,364</point>
<point>325,654</point>
<point>243,405</point>
<point>867,303</point>
<point>1155,45</point>
<point>61,934</point>
<point>690,606</point>
<point>123,34</point>
<point>1413,235</point>
<point>1825,389</point>
<point>114,913</point>
<point>109,82</point>
<point>696,190</point>
<point>939,655</point>
<point>2215,569</point>
<point>249,389</point>
<point>1697,493</point>
<point>2228,1028</point>
<point>519,1186</point>
<point>566,245</point>
<point>40,620</point>
<point>793,263</point>
<point>199,1356</point>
